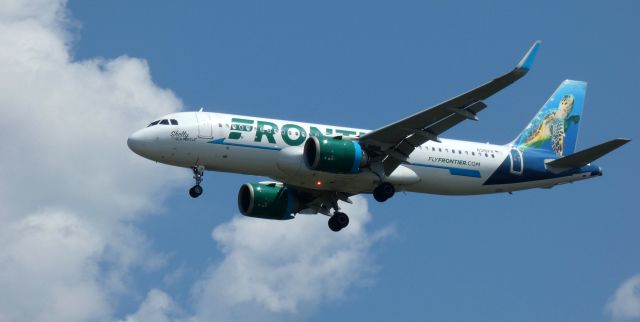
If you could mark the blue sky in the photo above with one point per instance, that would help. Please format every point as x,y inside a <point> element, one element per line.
<point>552,255</point>
<point>539,255</point>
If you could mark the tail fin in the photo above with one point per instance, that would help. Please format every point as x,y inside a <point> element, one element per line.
<point>555,127</point>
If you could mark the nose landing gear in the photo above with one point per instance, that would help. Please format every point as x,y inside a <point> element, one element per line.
<point>198,172</point>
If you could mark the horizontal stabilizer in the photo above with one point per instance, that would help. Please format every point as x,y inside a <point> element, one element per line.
<point>585,157</point>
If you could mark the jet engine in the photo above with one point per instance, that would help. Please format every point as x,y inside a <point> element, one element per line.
<point>267,200</point>
<point>334,155</point>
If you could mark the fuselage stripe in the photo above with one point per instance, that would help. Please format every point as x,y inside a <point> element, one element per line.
<point>222,142</point>
<point>453,171</point>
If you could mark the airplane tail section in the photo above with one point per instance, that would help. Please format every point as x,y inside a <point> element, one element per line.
<point>555,127</point>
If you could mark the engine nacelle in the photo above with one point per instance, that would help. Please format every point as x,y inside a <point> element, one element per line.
<point>334,155</point>
<point>268,201</point>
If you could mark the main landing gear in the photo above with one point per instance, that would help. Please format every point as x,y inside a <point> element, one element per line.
<point>383,192</point>
<point>338,221</point>
<point>198,172</point>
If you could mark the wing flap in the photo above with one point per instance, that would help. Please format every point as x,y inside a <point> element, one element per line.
<point>416,138</point>
<point>456,118</point>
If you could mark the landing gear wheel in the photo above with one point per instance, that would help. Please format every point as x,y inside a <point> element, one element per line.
<point>338,221</point>
<point>198,172</point>
<point>195,191</point>
<point>383,192</point>
<point>378,196</point>
<point>333,225</point>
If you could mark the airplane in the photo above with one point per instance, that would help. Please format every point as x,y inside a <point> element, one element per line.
<point>313,166</point>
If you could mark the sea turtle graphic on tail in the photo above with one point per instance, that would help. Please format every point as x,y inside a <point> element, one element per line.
<point>550,126</point>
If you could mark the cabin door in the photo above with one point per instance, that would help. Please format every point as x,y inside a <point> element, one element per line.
<point>516,161</point>
<point>204,125</point>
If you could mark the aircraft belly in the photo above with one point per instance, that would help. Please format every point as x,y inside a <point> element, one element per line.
<point>440,181</point>
<point>351,183</point>
<point>287,165</point>
<point>545,183</point>
<point>239,159</point>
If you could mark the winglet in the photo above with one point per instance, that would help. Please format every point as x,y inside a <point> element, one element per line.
<point>526,61</point>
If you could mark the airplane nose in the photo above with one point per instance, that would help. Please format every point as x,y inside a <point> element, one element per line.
<point>136,142</point>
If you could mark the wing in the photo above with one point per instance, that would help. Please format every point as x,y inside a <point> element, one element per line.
<point>394,143</point>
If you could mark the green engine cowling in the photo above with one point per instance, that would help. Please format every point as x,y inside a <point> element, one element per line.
<point>268,201</point>
<point>334,155</point>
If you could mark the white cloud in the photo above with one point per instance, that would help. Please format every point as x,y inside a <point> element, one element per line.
<point>48,270</point>
<point>65,123</point>
<point>70,187</point>
<point>157,307</point>
<point>625,303</point>
<point>282,270</point>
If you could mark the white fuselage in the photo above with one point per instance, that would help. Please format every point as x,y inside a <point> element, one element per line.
<point>273,148</point>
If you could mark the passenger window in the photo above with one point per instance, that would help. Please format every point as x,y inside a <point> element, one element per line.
<point>493,156</point>
<point>433,149</point>
<point>440,149</point>
<point>486,155</point>
<point>459,151</point>
<point>174,122</point>
<point>473,153</point>
<point>164,122</point>
<point>219,124</point>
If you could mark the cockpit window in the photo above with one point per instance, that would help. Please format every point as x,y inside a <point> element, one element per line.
<point>164,122</point>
